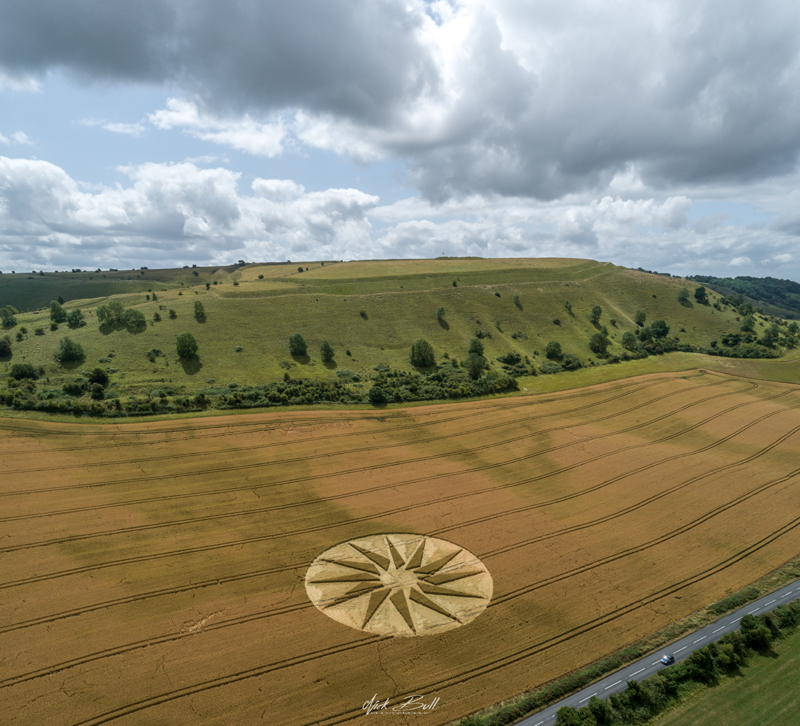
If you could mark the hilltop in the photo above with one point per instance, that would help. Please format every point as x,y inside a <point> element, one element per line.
<point>370,312</point>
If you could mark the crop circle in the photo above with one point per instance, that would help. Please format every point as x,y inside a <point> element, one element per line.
<point>399,584</point>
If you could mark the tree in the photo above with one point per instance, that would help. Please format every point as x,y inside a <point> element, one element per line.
<point>134,320</point>
<point>640,317</point>
<point>597,311</point>
<point>748,324</point>
<point>98,375</point>
<point>186,346</point>
<point>110,314</point>
<point>297,346</point>
<point>5,347</point>
<point>553,350</point>
<point>770,336</point>
<point>793,328</point>
<point>70,352</point>
<point>475,347</point>
<point>659,328</point>
<point>299,269</point>
<point>172,314</point>
<point>57,312</point>
<point>7,317</point>
<point>683,296</point>
<point>325,351</point>
<point>474,366</point>
<point>700,295</point>
<point>439,312</point>
<point>199,312</point>
<point>422,354</point>
<point>598,343</point>
<point>75,319</point>
<point>629,340</point>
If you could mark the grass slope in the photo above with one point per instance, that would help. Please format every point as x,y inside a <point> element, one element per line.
<point>373,309</point>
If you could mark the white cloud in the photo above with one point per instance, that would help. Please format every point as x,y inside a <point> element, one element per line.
<point>743,261</point>
<point>20,83</point>
<point>168,212</point>
<point>135,129</point>
<point>244,134</point>
<point>18,137</point>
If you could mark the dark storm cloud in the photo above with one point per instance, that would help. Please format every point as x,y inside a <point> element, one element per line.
<point>529,98</point>
<point>351,58</point>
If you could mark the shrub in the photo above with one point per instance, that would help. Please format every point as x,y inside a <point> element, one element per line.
<point>553,350</point>
<point>172,314</point>
<point>53,326</point>
<point>186,345</point>
<point>297,345</point>
<point>97,392</point>
<point>326,351</point>
<point>568,306</point>
<point>38,331</point>
<point>70,352</point>
<point>594,316</point>
<point>157,316</point>
<point>377,395</point>
<point>422,354</point>
<point>22,371</point>
<point>640,317</point>
<point>439,312</point>
<point>683,296</point>
<point>199,312</point>
<point>5,347</point>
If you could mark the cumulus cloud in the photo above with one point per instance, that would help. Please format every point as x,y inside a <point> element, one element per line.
<point>169,213</point>
<point>243,133</point>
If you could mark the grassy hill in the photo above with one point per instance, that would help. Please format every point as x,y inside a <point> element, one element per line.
<point>369,311</point>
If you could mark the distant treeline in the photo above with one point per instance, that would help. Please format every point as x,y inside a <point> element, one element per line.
<point>780,293</point>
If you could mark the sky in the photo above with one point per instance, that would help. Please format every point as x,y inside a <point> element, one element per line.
<point>160,133</point>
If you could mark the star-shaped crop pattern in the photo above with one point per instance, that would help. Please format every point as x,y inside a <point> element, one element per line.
<point>399,584</point>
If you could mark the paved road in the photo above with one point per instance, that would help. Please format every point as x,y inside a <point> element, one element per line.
<point>680,649</point>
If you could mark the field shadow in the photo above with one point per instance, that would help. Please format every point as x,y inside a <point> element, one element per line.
<point>443,324</point>
<point>72,365</point>
<point>686,303</point>
<point>331,365</point>
<point>191,366</point>
<point>302,360</point>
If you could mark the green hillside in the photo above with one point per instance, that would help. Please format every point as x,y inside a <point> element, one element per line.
<point>370,312</point>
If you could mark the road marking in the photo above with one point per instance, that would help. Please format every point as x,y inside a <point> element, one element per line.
<point>786,593</point>
<point>737,620</point>
<point>680,649</point>
<point>639,671</point>
<point>587,698</point>
<point>718,629</point>
<point>538,724</point>
<point>612,685</point>
<point>770,602</point>
<point>699,639</point>
<point>754,611</point>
